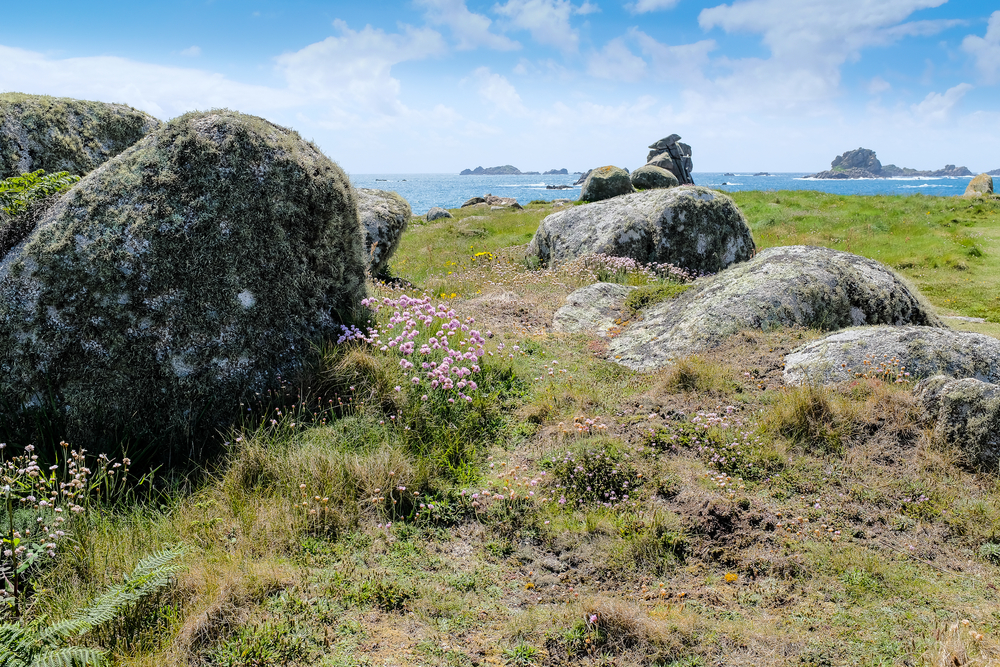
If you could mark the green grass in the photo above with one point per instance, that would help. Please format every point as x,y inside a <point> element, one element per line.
<point>762,524</point>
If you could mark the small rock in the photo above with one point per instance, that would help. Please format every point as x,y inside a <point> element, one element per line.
<point>384,215</point>
<point>437,213</point>
<point>605,183</point>
<point>650,177</point>
<point>592,308</point>
<point>979,186</point>
<point>473,201</point>
<point>966,415</point>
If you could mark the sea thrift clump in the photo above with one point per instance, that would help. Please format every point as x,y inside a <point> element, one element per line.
<point>440,350</point>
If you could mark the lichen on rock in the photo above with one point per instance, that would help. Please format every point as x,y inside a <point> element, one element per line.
<point>694,228</point>
<point>605,183</point>
<point>916,351</point>
<point>179,278</point>
<point>786,286</point>
<point>966,417</point>
<point>384,215</point>
<point>62,134</point>
<point>592,309</point>
<point>649,177</point>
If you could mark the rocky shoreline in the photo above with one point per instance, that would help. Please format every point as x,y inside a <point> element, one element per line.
<point>862,163</point>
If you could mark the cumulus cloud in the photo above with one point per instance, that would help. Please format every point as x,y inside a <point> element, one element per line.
<point>683,62</point>
<point>546,20</point>
<point>497,92</point>
<point>470,29</point>
<point>986,50</point>
<point>616,62</point>
<point>937,107</point>
<point>643,6</point>
<point>191,51</point>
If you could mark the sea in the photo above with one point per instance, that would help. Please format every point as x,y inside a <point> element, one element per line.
<point>425,191</point>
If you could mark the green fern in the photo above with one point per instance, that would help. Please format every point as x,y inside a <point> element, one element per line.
<point>46,646</point>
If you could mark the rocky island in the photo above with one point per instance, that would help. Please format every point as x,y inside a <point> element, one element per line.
<point>509,170</point>
<point>862,163</point>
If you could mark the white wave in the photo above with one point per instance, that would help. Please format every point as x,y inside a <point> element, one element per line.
<point>926,185</point>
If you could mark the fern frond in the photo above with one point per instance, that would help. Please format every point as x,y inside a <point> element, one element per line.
<point>70,656</point>
<point>9,658</point>
<point>57,632</point>
<point>157,561</point>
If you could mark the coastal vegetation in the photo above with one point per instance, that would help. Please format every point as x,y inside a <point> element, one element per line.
<point>519,499</point>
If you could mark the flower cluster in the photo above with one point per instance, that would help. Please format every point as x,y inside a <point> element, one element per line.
<point>887,369</point>
<point>446,349</point>
<point>607,268</point>
<point>604,477</point>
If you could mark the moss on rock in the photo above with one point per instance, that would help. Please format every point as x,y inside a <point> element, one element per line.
<point>605,183</point>
<point>384,215</point>
<point>62,134</point>
<point>179,278</point>
<point>786,286</point>
<point>650,177</point>
<point>966,417</point>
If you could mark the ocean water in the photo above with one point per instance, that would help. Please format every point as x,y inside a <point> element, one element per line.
<point>424,191</point>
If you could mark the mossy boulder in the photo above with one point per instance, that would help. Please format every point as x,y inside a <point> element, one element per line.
<point>61,134</point>
<point>966,417</point>
<point>920,351</point>
<point>786,286</point>
<point>650,177</point>
<point>691,227</point>
<point>605,183</point>
<point>981,185</point>
<point>592,309</point>
<point>178,279</point>
<point>384,215</point>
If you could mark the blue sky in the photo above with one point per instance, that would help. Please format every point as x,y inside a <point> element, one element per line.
<point>440,85</point>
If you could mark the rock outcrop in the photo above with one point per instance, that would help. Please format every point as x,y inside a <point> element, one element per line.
<point>650,177</point>
<point>670,154</point>
<point>492,201</point>
<point>593,308</point>
<point>920,351</point>
<point>436,213</point>
<point>605,183</point>
<point>862,163</point>
<point>556,172</point>
<point>979,186</point>
<point>966,417</point>
<point>785,286</point>
<point>694,228</point>
<point>61,134</point>
<point>505,170</point>
<point>176,280</point>
<point>384,215</point>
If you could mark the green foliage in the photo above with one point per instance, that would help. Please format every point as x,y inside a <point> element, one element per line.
<point>521,654</point>
<point>990,552</point>
<point>646,295</point>
<point>18,193</point>
<point>597,471</point>
<point>261,645</point>
<point>40,645</point>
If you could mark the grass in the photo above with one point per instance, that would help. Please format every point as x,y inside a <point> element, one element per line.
<point>575,512</point>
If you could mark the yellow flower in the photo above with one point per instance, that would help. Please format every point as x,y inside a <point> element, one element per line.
<point>731,577</point>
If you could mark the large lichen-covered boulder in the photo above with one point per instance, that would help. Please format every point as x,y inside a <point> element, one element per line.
<point>594,308</point>
<point>691,227</point>
<point>649,177</point>
<point>913,351</point>
<point>966,417</point>
<point>605,183</point>
<point>786,286</point>
<point>61,134</point>
<point>384,215</point>
<point>179,278</point>
<point>979,186</point>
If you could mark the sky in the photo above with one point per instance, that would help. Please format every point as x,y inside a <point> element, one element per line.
<point>436,86</point>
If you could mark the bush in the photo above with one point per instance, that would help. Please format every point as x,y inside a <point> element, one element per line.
<point>597,471</point>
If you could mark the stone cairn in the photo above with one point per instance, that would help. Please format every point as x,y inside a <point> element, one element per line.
<point>670,154</point>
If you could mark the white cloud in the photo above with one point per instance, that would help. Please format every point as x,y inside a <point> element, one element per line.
<point>498,92</point>
<point>586,8</point>
<point>936,107</point>
<point>643,6</point>
<point>191,51</point>
<point>353,71</point>
<point>684,62</point>
<point>470,29</point>
<point>878,85</point>
<point>616,62</point>
<point>986,50</point>
<point>546,20</point>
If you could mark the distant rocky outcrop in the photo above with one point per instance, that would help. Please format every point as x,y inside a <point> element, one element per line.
<point>649,177</point>
<point>436,213</point>
<point>171,284</point>
<point>670,154</point>
<point>556,172</point>
<point>605,183</point>
<point>61,134</point>
<point>966,417</point>
<point>863,163</point>
<point>583,177</point>
<point>384,215</point>
<point>785,286</point>
<point>694,228</point>
<point>920,351</point>
<point>505,170</point>
<point>979,186</point>
<point>995,172</point>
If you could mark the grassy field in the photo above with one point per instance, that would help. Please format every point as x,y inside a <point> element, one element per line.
<point>566,510</point>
